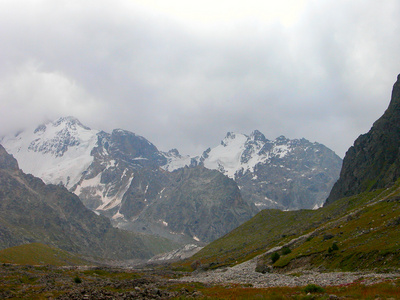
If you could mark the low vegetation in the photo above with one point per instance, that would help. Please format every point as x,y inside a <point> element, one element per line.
<point>40,254</point>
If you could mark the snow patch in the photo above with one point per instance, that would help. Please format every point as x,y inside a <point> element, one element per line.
<point>118,215</point>
<point>163,222</point>
<point>317,206</point>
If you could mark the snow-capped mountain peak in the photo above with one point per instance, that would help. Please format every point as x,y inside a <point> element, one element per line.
<point>57,152</point>
<point>226,156</point>
<point>258,136</point>
<point>240,153</point>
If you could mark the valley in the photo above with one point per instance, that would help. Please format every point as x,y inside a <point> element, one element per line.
<point>346,247</point>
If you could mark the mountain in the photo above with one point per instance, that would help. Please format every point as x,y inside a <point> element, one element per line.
<point>283,173</point>
<point>118,175</point>
<point>358,229</point>
<point>374,159</point>
<point>122,175</point>
<point>33,212</point>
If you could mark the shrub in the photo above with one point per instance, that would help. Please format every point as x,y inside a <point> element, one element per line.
<point>313,288</point>
<point>309,238</point>
<point>286,250</point>
<point>274,257</point>
<point>77,279</point>
<point>335,247</point>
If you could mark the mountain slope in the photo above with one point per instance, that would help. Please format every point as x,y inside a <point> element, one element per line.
<point>374,159</point>
<point>191,202</point>
<point>31,211</point>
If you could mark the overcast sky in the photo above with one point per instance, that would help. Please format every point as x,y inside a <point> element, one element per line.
<point>184,73</point>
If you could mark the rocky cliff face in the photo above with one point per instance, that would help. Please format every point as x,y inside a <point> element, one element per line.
<point>31,211</point>
<point>374,159</point>
<point>198,203</point>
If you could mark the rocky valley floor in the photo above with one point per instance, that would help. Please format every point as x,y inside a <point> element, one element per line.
<point>245,274</point>
<point>239,282</point>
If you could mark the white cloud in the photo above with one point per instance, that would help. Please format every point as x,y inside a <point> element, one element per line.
<point>30,95</point>
<point>184,74</point>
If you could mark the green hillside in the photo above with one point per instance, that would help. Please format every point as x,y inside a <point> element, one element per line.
<point>40,254</point>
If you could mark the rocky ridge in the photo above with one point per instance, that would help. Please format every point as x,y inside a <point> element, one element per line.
<point>374,159</point>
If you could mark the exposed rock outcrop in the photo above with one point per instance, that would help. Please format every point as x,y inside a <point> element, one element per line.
<point>374,159</point>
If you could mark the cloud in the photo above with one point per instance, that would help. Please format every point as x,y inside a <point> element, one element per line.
<point>31,96</point>
<point>182,77</point>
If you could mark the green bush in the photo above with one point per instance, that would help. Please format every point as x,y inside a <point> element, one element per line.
<point>313,288</point>
<point>274,257</point>
<point>77,279</point>
<point>335,247</point>
<point>286,250</point>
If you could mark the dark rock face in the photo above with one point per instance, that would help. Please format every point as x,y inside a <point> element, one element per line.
<point>194,203</point>
<point>374,159</point>
<point>31,211</point>
<point>130,147</point>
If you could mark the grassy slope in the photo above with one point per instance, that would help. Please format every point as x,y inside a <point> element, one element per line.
<point>367,235</point>
<point>40,254</point>
<point>368,238</point>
